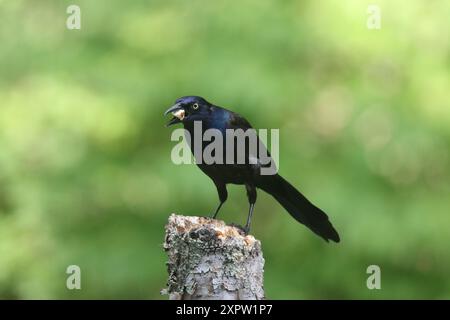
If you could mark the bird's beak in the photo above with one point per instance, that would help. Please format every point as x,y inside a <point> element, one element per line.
<point>178,114</point>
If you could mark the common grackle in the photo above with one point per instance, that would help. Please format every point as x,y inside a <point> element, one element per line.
<point>191,109</point>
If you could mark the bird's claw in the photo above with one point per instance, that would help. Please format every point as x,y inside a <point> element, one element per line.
<point>242,230</point>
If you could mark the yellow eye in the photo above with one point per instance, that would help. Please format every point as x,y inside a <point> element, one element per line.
<point>195,106</point>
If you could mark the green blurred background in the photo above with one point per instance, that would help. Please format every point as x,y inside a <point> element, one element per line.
<point>85,170</point>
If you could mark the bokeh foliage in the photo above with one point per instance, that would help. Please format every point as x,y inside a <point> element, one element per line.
<point>364,118</point>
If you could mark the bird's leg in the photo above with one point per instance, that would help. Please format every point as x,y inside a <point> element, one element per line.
<point>217,210</point>
<point>223,195</point>
<point>251,194</point>
<point>249,219</point>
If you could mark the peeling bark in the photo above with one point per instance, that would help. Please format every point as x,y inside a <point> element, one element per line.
<point>209,260</point>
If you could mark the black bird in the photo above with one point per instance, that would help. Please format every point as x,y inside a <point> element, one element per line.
<point>190,109</point>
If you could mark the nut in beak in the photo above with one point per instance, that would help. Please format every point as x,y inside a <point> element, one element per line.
<point>179,114</point>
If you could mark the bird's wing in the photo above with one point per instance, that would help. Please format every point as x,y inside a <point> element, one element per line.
<point>238,122</point>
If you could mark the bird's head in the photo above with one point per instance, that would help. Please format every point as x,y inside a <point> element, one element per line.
<point>187,109</point>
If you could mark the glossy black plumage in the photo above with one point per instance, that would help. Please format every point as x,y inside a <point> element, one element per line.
<point>192,108</point>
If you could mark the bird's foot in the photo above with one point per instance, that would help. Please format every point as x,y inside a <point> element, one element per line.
<point>242,230</point>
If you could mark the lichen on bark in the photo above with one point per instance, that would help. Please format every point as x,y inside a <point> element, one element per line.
<point>211,260</point>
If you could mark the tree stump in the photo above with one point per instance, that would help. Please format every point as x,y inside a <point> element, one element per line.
<point>209,260</point>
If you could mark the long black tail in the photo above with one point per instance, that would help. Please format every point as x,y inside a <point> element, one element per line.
<point>298,206</point>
